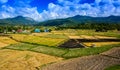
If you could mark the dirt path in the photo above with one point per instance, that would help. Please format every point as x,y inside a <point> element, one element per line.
<point>94,62</point>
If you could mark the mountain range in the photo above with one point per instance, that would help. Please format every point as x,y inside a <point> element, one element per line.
<point>81,20</point>
<point>20,20</point>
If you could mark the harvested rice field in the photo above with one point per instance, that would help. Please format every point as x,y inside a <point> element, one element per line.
<point>36,51</point>
<point>3,44</point>
<point>7,40</point>
<point>99,44</point>
<point>24,60</point>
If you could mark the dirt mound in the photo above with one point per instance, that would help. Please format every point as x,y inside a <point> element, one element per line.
<point>96,62</point>
<point>72,43</point>
<point>115,52</point>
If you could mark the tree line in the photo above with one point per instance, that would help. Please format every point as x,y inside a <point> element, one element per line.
<point>96,26</point>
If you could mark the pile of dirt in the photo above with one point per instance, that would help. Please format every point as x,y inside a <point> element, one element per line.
<point>72,43</point>
<point>115,53</point>
<point>95,62</point>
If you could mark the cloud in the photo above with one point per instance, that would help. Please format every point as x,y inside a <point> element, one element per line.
<point>8,12</point>
<point>62,9</point>
<point>21,7</point>
<point>68,8</point>
<point>3,1</point>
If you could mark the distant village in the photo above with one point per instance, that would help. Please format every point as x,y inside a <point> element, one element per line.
<point>36,30</point>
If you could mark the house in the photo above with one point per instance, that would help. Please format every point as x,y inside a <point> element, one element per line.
<point>13,31</point>
<point>19,31</point>
<point>37,30</point>
<point>25,31</point>
<point>46,30</point>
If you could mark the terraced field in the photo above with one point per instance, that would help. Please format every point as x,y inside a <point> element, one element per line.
<point>24,60</point>
<point>5,41</point>
<point>94,62</point>
<point>36,50</point>
<point>99,44</point>
<point>38,40</point>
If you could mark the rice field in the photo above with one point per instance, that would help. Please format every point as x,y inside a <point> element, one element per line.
<point>38,40</point>
<point>31,51</point>
<point>24,60</point>
<point>60,52</point>
<point>78,32</point>
<point>3,45</point>
<point>5,41</point>
<point>99,44</point>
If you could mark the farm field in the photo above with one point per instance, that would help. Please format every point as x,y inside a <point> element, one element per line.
<point>38,40</point>
<point>24,60</point>
<point>78,32</point>
<point>93,62</point>
<point>61,52</point>
<point>32,51</point>
<point>115,67</point>
<point>5,41</point>
<point>99,44</point>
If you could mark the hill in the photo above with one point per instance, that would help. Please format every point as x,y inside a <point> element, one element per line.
<point>19,20</point>
<point>80,20</point>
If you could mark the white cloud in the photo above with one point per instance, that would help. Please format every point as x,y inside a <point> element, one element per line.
<point>8,12</point>
<point>3,1</point>
<point>64,9</point>
<point>72,8</point>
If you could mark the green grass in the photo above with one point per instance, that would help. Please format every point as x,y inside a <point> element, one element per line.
<point>116,67</point>
<point>60,52</point>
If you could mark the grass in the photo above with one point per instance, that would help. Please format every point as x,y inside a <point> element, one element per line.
<point>60,52</point>
<point>116,67</point>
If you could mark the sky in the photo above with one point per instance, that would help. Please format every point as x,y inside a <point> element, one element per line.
<point>41,10</point>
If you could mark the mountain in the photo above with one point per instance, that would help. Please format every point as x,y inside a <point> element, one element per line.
<point>19,20</point>
<point>81,19</point>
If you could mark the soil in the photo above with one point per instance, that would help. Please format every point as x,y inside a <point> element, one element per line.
<point>72,43</point>
<point>98,40</point>
<point>78,43</point>
<point>94,62</point>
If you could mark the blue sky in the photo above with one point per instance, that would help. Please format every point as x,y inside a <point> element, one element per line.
<point>42,10</point>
